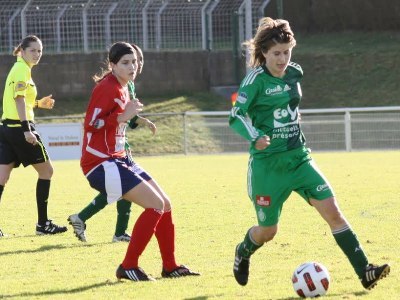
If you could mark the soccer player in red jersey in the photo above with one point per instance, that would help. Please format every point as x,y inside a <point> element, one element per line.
<point>109,170</point>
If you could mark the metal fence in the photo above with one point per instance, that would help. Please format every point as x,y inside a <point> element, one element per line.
<point>93,25</point>
<point>341,129</point>
<point>345,129</point>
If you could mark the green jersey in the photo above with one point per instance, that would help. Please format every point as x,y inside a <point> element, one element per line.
<point>131,90</point>
<point>268,105</point>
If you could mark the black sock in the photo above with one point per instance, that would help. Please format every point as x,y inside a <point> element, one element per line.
<point>348,242</point>
<point>1,190</point>
<point>42,194</point>
<point>248,246</point>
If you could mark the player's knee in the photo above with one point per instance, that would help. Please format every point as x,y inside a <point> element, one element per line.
<point>159,204</point>
<point>265,234</point>
<point>268,236</point>
<point>4,179</point>
<point>46,173</point>
<point>167,205</point>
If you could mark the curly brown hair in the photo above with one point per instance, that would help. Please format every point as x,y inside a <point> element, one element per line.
<point>269,33</point>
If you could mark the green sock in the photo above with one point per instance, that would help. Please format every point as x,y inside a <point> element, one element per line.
<point>98,203</point>
<point>124,211</point>
<point>248,246</point>
<point>348,242</point>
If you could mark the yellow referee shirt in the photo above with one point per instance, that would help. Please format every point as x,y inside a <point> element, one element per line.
<point>19,83</point>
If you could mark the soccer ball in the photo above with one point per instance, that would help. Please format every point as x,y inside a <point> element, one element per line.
<point>311,279</point>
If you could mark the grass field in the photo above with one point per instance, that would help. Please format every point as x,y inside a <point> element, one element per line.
<point>212,214</point>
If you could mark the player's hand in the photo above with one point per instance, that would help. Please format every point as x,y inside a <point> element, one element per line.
<point>151,126</point>
<point>46,102</point>
<point>132,108</point>
<point>30,138</point>
<point>263,142</point>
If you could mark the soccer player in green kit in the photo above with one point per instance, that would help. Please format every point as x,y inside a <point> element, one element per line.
<point>266,113</point>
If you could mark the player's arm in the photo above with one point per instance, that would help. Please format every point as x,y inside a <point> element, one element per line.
<point>144,122</point>
<point>238,119</point>
<point>21,109</point>
<point>103,109</point>
<point>100,108</point>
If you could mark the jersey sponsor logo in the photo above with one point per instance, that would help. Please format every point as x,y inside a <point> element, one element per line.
<point>284,113</point>
<point>277,90</point>
<point>274,91</point>
<point>20,86</point>
<point>263,200</point>
<point>287,132</point>
<point>242,97</point>
<point>322,187</point>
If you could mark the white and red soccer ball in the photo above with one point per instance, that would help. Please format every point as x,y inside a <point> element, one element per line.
<point>311,280</point>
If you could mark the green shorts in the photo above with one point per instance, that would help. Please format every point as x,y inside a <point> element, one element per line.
<point>272,179</point>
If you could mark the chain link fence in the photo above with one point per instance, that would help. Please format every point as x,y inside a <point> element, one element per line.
<point>93,25</point>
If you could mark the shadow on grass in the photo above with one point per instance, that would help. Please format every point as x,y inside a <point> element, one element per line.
<point>328,295</point>
<point>62,292</point>
<point>49,248</point>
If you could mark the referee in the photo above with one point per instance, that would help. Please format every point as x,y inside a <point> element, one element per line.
<point>19,141</point>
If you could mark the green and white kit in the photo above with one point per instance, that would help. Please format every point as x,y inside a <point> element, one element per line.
<point>268,105</point>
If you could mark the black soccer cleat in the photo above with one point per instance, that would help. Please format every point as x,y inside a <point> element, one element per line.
<point>49,228</point>
<point>241,268</point>
<point>134,274</point>
<point>373,274</point>
<point>180,271</point>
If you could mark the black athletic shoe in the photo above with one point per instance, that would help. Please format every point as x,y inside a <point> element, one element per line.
<point>373,273</point>
<point>134,274</point>
<point>49,228</point>
<point>241,268</point>
<point>180,271</point>
<point>1,233</point>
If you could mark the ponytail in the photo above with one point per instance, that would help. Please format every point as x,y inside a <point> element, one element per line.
<point>25,43</point>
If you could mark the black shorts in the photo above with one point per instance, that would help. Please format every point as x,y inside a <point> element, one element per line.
<point>14,147</point>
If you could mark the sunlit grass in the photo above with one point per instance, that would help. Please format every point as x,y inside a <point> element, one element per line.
<point>212,213</point>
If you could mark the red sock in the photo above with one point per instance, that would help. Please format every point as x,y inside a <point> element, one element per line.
<point>141,235</point>
<point>165,234</point>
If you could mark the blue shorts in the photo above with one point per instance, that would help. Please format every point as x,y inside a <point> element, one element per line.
<point>138,169</point>
<point>115,177</point>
